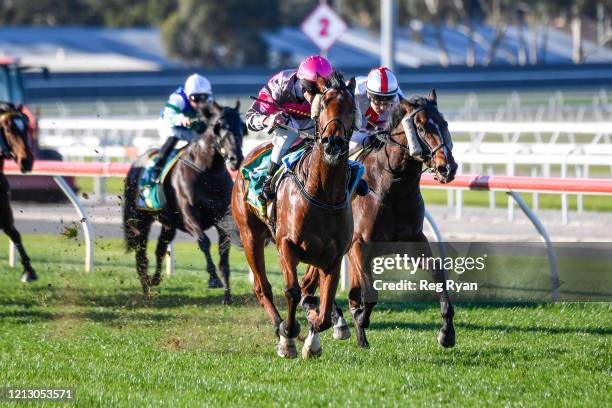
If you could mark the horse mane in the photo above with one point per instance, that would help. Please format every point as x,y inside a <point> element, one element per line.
<point>7,107</point>
<point>336,81</point>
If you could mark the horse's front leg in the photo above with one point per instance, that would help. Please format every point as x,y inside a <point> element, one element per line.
<point>322,320</point>
<point>309,301</point>
<point>446,335</point>
<point>213,278</point>
<point>224,249</point>
<point>29,274</point>
<point>289,329</point>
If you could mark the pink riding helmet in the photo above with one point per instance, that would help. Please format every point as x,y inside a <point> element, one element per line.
<point>314,66</point>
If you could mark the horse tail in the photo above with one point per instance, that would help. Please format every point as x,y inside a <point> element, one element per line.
<point>130,211</point>
<point>228,225</point>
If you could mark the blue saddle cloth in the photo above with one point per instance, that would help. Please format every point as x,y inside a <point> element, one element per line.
<point>256,171</point>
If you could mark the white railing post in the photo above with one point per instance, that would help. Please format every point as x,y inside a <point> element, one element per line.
<point>552,257</point>
<point>84,220</point>
<point>459,195</point>
<point>510,170</point>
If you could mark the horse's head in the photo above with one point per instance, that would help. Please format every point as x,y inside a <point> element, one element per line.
<point>427,131</point>
<point>14,137</point>
<point>228,131</point>
<point>336,114</point>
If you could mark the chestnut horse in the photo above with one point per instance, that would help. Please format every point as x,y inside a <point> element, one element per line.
<point>313,217</point>
<point>198,191</point>
<point>15,144</point>
<point>394,210</point>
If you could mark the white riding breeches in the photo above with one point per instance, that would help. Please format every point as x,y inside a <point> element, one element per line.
<point>358,140</point>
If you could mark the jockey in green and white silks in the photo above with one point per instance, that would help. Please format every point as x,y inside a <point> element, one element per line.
<point>178,116</point>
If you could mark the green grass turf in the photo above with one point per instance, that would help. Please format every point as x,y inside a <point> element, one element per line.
<point>94,333</point>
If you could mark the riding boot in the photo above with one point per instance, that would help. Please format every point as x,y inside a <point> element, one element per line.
<point>164,152</point>
<point>267,193</point>
<point>362,188</point>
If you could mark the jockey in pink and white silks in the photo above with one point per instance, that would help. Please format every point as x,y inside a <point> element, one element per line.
<point>376,96</point>
<point>286,100</point>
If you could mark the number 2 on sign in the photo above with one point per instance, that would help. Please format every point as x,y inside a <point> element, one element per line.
<point>324,21</point>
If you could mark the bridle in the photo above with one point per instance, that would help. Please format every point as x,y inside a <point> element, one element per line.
<point>428,150</point>
<point>5,147</point>
<point>218,139</point>
<point>320,130</point>
<point>318,137</point>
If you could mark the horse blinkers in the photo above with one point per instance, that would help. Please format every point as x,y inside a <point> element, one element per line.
<point>418,146</point>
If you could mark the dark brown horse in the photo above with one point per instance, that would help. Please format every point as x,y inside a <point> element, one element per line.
<point>313,217</point>
<point>15,144</point>
<point>198,192</point>
<point>394,210</point>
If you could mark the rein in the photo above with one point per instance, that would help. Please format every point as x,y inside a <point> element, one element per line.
<point>217,139</point>
<point>313,200</point>
<point>192,165</point>
<point>387,137</point>
<point>318,137</point>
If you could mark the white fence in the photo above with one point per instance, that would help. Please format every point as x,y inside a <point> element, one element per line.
<point>564,149</point>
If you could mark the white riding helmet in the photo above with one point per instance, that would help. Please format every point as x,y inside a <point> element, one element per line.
<point>197,84</point>
<point>382,82</point>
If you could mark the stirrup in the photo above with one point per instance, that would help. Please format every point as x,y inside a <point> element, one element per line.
<point>156,176</point>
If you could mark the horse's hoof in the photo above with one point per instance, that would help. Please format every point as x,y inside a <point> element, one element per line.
<point>309,302</point>
<point>286,347</point>
<point>156,280</point>
<point>29,276</point>
<point>363,344</point>
<point>446,336</point>
<point>214,283</point>
<point>341,330</point>
<point>312,346</point>
<point>227,300</point>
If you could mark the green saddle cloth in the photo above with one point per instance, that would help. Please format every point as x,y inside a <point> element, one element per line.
<point>151,195</point>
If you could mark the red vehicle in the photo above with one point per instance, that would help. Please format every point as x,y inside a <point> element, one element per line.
<point>30,188</point>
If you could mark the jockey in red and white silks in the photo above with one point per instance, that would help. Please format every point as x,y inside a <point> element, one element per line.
<point>375,95</point>
<point>289,95</point>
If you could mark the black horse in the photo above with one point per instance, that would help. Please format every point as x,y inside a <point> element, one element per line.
<point>15,144</point>
<point>198,192</point>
